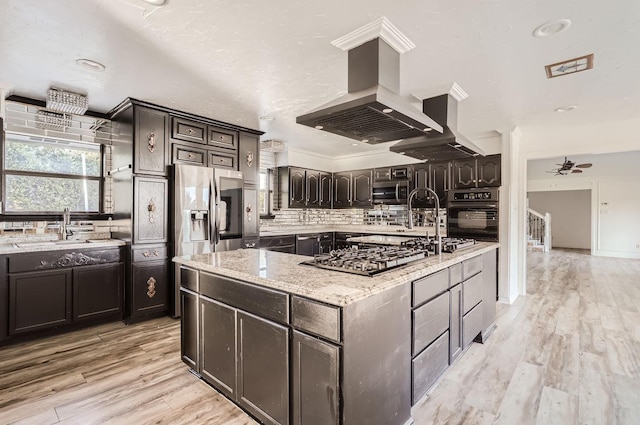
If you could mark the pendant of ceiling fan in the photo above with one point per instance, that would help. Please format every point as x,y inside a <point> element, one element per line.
<point>569,166</point>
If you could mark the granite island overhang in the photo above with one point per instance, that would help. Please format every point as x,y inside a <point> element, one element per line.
<point>334,347</point>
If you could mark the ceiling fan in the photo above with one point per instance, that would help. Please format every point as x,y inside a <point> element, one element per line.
<point>569,167</point>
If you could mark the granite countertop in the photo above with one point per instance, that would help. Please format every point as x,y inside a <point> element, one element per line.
<point>284,272</point>
<point>37,246</point>
<point>352,228</point>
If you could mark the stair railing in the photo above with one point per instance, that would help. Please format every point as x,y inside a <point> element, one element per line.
<point>540,228</point>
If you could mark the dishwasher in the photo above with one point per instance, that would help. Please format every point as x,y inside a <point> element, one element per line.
<point>308,244</point>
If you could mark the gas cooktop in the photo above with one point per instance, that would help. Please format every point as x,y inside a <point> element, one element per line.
<point>371,261</point>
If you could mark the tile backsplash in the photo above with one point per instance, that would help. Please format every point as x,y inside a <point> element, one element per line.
<point>25,231</point>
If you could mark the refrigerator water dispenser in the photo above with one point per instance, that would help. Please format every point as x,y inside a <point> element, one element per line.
<point>199,225</point>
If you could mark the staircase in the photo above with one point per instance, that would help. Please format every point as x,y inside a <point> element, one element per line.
<point>539,231</point>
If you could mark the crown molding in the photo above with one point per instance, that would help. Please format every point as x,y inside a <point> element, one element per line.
<point>380,28</point>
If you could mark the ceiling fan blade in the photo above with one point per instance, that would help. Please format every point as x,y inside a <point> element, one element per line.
<point>584,165</point>
<point>576,171</point>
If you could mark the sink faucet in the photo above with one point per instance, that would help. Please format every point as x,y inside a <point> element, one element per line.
<point>66,221</point>
<point>438,241</point>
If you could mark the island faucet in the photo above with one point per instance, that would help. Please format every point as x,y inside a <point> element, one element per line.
<point>438,240</point>
<point>66,221</point>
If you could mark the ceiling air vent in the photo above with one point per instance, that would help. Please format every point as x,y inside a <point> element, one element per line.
<point>570,66</point>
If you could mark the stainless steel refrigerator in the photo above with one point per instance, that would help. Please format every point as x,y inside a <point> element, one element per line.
<point>207,213</point>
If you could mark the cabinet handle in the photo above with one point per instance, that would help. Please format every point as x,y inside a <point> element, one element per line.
<point>250,245</point>
<point>221,138</point>
<point>190,155</point>
<point>151,287</point>
<point>151,142</point>
<point>151,254</point>
<point>191,131</point>
<point>248,210</point>
<point>151,208</point>
<point>249,158</point>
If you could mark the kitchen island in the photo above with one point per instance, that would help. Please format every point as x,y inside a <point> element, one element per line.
<point>292,343</point>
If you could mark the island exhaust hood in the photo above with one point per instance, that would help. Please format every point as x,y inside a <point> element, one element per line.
<point>372,111</point>
<point>449,144</point>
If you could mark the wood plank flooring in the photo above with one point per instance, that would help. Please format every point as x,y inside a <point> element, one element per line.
<point>567,353</point>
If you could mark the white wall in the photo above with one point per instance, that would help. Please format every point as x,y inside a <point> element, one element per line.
<point>618,222</point>
<point>570,216</point>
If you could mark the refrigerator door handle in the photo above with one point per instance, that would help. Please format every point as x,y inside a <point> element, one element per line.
<point>216,205</point>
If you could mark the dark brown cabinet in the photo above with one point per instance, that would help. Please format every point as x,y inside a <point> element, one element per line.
<point>303,188</point>
<point>361,181</point>
<point>151,129</point>
<point>325,182</point>
<point>477,172</point>
<point>97,291</point>
<point>436,176</point>
<point>151,210</point>
<point>312,189</point>
<point>315,373</point>
<point>464,174</point>
<point>222,138</point>
<point>39,300</point>
<point>489,171</point>
<point>189,347</point>
<point>183,154</point>
<point>149,292</point>
<point>189,131</point>
<point>297,185</point>
<point>342,190</point>
<point>251,220</point>
<point>249,158</point>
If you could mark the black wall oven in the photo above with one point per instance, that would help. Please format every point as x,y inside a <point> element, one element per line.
<point>473,214</point>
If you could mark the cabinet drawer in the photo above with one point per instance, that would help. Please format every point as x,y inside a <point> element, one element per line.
<point>471,267</point>
<point>273,241</point>
<point>472,292</point>
<point>471,325</point>
<point>316,318</point>
<point>263,302</point>
<point>49,260</point>
<point>326,236</point>
<point>187,155</point>
<point>429,286</point>
<point>189,278</point>
<point>221,161</point>
<point>455,274</point>
<point>429,321</point>
<point>222,138</point>
<point>149,254</point>
<point>190,131</point>
<point>428,366</point>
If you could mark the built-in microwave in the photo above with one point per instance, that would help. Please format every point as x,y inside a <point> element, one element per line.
<point>391,192</point>
<point>473,214</point>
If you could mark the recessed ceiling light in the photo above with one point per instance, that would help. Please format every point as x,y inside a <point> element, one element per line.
<point>365,140</point>
<point>551,28</point>
<point>319,127</point>
<point>90,65</point>
<point>387,110</point>
<point>427,129</point>
<point>267,118</point>
<point>566,108</point>
<point>155,2</point>
<point>354,144</point>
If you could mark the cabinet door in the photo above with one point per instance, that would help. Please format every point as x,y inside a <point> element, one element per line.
<point>455,323</point>
<point>218,340</point>
<point>342,190</point>
<point>189,328</point>
<point>189,131</point>
<point>251,220</point>
<point>440,181</point>
<point>313,189</point>
<point>249,158</point>
<point>296,187</point>
<point>263,369</point>
<point>149,288</point>
<point>362,189</point>
<point>97,291</point>
<point>489,171</point>
<point>39,300</point>
<point>315,380</point>
<point>222,138</point>
<point>325,190</point>
<point>150,143</point>
<point>421,181</point>
<point>150,213</point>
<point>464,174</point>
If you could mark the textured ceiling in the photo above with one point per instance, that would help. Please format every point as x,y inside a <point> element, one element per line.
<point>239,60</point>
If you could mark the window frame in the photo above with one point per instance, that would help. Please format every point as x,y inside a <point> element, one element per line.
<point>51,215</point>
<point>269,194</point>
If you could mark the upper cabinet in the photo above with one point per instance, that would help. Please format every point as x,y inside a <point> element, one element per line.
<point>225,139</point>
<point>151,128</point>
<point>477,172</point>
<point>437,177</point>
<point>249,157</point>
<point>342,190</point>
<point>302,188</point>
<point>361,182</point>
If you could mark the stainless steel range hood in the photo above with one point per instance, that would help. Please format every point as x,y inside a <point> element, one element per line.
<point>372,111</point>
<point>449,144</point>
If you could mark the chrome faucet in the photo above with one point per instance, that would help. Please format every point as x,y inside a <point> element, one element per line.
<point>438,241</point>
<point>66,221</point>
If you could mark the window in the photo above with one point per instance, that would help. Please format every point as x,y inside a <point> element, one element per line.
<point>45,175</point>
<point>265,193</point>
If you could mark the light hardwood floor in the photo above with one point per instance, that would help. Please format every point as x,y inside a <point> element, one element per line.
<point>567,353</point>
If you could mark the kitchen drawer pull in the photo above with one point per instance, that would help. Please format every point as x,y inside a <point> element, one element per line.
<point>250,245</point>
<point>155,253</point>
<point>151,142</point>
<point>151,287</point>
<point>191,131</point>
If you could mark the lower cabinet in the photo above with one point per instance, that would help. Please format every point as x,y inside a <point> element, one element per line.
<point>472,324</point>
<point>455,323</point>
<point>427,366</point>
<point>149,290</point>
<point>39,300</point>
<point>189,328</point>
<point>263,368</point>
<point>97,291</point>
<point>247,359</point>
<point>315,381</point>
